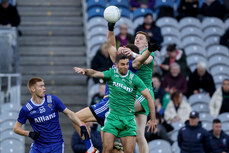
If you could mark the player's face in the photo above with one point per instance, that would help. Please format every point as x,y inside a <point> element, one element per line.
<point>39,89</point>
<point>225,86</point>
<point>141,41</point>
<point>217,128</point>
<point>123,66</point>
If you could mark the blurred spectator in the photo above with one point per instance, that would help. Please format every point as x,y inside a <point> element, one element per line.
<point>158,107</point>
<point>151,29</point>
<point>177,109</point>
<point>101,60</point>
<point>175,80</point>
<point>220,100</point>
<point>192,138</point>
<point>226,5</point>
<point>77,143</point>
<point>161,132</point>
<point>175,55</point>
<point>118,148</point>
<point>99,96</point>
<point>165,11</point>
<point>188,8</point>
<point>159,92</point>
<point>219,141</point>
<point>200,81</point>
<point>123,38</point>
<point>224,39</point>
<point>8,14</point>
<point>212,8</point>
<point>142,4</point>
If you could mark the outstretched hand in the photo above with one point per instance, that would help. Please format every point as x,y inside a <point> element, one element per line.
<point>153,47</point>
<point>79,70</point>
<point>152,125</point>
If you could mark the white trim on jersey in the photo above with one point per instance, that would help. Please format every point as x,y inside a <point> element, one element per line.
<point>63,147</point>
<point>101,109</point>
<point>141,98</point>
<point>38,104</point>
<point>29,107</point>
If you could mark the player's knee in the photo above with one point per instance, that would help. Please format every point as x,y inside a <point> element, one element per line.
<point>107,147</point>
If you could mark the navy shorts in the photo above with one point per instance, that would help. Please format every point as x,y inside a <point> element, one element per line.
<point>56,148</point>
<point>99,110</point>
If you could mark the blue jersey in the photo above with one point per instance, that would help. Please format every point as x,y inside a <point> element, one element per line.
<point>44,119</point>
<point>114,67</point>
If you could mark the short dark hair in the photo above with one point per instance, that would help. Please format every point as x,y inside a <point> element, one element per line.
<point>215,121</point>
<point>133,48</point>
<point>120,57</point>
<point>157,75</point>
<point>171,47</point>
<point>145,34</point>
<point>148,14</point>
<point>33,81</point>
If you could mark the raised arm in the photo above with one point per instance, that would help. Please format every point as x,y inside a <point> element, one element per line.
<point>152,122</point>
<point>89,72</point>
<point>111,42</point>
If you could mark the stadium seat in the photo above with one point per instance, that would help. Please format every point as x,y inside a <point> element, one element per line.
<point>207,125</point>
<point>126,21</point>
<point>205,117</point>
<point>125,12</point>
<point>189,22</point>
<point>96,3</point>
<point>200,107</point>
<point>199,98</point>
<point>8,116</point>
<point>195,50</point>
<point>177,125</point>
<point>211,41</point>
<point>96,22</point>
<point>171,40</point>
<point>220,70</point>
<point>138,22</point>
<point>190,41</point>
<point>218,60</point>
<point>191,31</point>
<point>167,22</point>
<point>9,134</point>
<point>12,146</point>
<point>96,32</point>
<point>10,107</point>
<point>224,117</point>
<point>212,22</point>
<point>193,60</point>
<point>159,146</point>
<point>218,50</point>
<point>170,31</point>
<point>95,12</point>
<point>173,136</point>
<point>140,12</point>
<point>160,3</point>
<point>225,126</point>
<point>97,41</point>
<point>8,124</point>
<point>227,23</point>
<point>175,148</point>
<point>120,3</point>
<point>93,90</point>
<point>213,31</point>
<point>218,79</point>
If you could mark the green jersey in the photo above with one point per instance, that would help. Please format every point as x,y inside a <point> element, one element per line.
<point>122,91</point>
<point>145,72</point>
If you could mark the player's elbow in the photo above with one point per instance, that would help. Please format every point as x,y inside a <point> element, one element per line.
<point>16,129</point>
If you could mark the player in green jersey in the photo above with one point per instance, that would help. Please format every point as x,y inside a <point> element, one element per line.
<point>123,85</point>
<point>144,72</point>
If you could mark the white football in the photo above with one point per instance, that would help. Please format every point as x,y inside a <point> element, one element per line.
<point>112,14</point>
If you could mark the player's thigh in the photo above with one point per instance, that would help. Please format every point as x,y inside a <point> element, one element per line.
<point>108,141</point>
<point>141,120</point>
<point>85,115</point>
<point>128,143</point>
<point>137,106</point>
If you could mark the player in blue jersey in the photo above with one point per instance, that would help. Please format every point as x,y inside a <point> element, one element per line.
<point>42,113</point>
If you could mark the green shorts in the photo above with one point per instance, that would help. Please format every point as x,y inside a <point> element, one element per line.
<point>120,126</point>
<point>144,102</point>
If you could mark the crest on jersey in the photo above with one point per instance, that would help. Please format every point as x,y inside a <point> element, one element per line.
<point>50,106</point>
<point>42,109</point>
